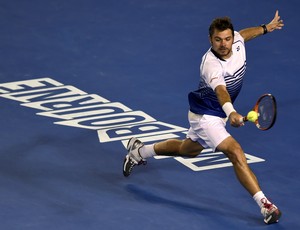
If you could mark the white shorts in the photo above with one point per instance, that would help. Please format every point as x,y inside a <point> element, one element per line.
<point>208,130</point>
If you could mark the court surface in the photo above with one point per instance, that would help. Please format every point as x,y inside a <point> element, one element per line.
<point>79,78</point>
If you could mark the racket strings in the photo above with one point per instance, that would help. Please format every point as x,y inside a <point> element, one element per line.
<point>267,113</point>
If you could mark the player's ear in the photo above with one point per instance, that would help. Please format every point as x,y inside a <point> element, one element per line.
<point>209,39</point>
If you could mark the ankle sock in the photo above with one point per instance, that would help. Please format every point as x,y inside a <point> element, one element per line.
<point>147,151</point>
<point>260,199</point>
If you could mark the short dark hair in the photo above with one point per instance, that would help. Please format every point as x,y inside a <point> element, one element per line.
<point>220,24</point>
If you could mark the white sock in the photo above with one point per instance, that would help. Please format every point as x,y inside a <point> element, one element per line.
<point>260,198</point>
<point>147,151</point>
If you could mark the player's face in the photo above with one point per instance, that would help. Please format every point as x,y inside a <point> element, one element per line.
<point>221,42</point>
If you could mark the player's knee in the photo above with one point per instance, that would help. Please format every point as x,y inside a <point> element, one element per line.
<point>237,157</point>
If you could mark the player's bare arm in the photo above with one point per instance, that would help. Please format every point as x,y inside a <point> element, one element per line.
<point>223,98</point>
<point>253,32</point>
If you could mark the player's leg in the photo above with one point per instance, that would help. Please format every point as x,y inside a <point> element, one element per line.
<point>138,152</point>
<point>231,148</point>
<point>174,147</point>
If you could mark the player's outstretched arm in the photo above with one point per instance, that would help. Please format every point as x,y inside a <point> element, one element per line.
<point>275,24</point>
<point>253,32</point>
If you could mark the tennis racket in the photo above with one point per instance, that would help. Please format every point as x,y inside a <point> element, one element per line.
<point>266,109</point>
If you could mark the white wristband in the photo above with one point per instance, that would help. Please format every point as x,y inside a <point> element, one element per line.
<point>228,108</point>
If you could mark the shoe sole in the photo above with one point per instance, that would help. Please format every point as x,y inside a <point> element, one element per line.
<point>124,166</point>
<point>274,218</point>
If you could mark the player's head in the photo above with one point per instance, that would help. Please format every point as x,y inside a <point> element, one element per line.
<point>221,34</point>
<point>220,24</point>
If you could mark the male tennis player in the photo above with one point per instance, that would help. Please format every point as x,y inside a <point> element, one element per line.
<point>222,69</point>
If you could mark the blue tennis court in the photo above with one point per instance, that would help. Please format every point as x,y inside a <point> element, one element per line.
<point>79,78</point>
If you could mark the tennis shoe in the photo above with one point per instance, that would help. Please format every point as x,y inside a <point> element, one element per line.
<point>270,212</point>
<point>133,157</point>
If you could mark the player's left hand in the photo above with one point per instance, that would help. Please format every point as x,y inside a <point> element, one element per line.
<point>275,24</point>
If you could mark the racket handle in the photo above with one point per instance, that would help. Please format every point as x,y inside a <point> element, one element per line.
<point>243,119</point>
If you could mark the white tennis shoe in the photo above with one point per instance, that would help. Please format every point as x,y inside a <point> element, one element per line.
<point>270,212</point>
<point>133,157</point>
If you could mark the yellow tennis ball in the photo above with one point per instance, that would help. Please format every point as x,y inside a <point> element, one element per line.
<point>252,116</point>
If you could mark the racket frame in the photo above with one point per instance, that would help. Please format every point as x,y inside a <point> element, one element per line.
<point>255,109</point>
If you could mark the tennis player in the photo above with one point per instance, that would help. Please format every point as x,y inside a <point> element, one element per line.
<point>221,77</point>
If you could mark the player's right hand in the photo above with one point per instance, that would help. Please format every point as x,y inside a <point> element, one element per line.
<point>235,119</point>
